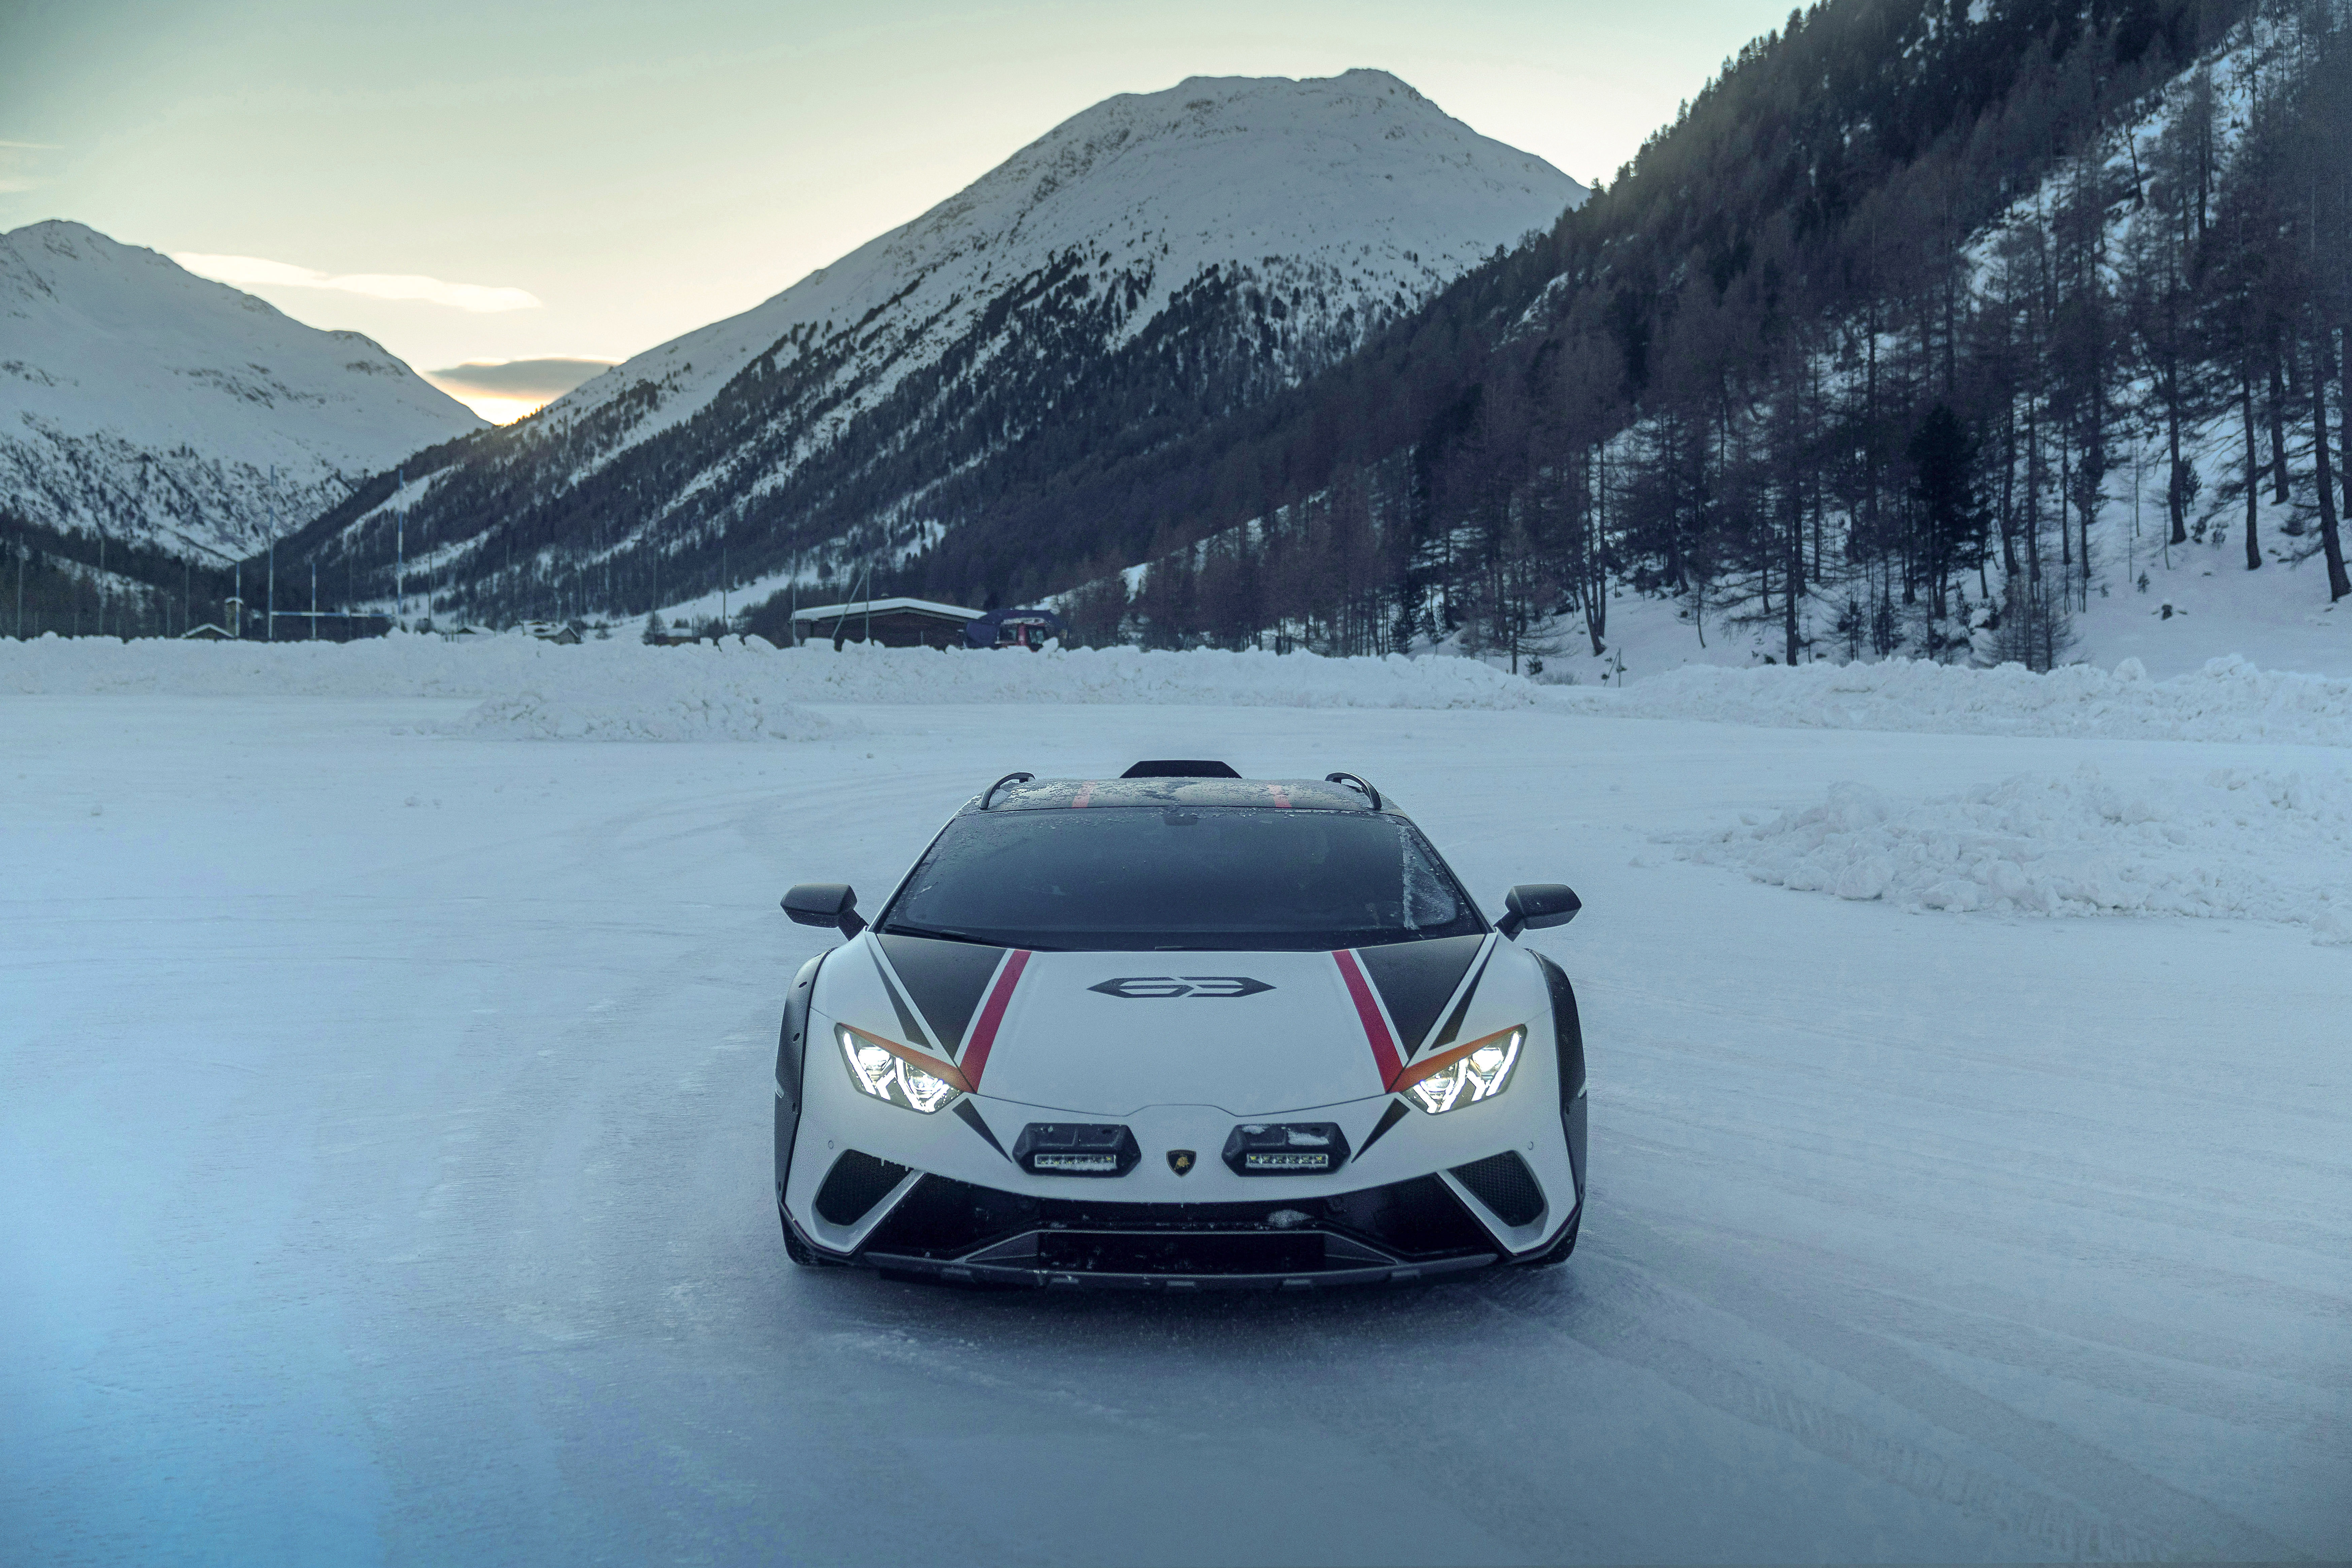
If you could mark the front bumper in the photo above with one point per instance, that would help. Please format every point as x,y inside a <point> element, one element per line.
<point>956,1231</point>
<point>865,1182</point>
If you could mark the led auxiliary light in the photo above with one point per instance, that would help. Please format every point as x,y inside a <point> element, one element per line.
<point>1463,1075</point>
<point>1075,1149</point>
<point>1285,1149</point>
<point>899,1074</point>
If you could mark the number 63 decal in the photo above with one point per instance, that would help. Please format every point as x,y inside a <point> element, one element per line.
<point>1136,988</point>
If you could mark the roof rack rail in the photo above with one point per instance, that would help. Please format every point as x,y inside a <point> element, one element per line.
<point>1186,768</point>
<point>1352,781</point>
<point>989,793</point>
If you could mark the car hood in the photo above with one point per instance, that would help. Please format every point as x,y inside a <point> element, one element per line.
<point>1105,1034</point>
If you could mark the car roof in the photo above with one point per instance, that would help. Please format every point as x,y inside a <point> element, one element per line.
<point>1066,794</point>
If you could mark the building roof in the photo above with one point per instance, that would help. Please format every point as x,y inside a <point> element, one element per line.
<point>882,608</point>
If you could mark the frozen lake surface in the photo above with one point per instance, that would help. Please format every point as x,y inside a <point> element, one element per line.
<point>385,1136</point>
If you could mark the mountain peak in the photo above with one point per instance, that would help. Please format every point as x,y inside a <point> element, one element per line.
<point>1357,179</point>
<point>141,399</point>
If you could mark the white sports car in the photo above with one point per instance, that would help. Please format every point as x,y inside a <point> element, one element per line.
<point>1180,1029</point>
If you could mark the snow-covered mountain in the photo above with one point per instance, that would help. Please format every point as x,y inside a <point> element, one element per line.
<point>1136,200</point>
<point>1149,264</point>
<point>138,397</point>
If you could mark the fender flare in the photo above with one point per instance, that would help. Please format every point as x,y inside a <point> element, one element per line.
<point>1567,1034</point>
<point>791,1063</point>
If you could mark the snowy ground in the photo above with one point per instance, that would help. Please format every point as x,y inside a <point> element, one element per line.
<point>387,1123</point>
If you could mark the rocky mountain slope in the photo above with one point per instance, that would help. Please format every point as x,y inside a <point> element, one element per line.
<point>1156,261</point>
<point>141,399</point>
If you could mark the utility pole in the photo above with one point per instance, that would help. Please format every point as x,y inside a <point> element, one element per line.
<point>271,635</point>
<point>314,598</point>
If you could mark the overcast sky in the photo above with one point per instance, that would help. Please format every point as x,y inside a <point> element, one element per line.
<point>466,181</point>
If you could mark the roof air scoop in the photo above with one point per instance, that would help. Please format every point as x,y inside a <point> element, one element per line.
<point>1181,770</point>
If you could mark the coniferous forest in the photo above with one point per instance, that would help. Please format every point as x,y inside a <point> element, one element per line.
<point>1860,349</point>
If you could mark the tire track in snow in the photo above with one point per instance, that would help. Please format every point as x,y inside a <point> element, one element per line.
<point>2145,1518</point>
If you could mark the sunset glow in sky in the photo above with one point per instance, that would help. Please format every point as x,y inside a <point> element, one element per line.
<point>542,181</point>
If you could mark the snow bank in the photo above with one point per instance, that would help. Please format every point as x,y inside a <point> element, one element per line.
<point>729,713</point>
<point>2254,846</point>
<point>743,671</point>
<point>747,687</point>
<point>2229,699</point>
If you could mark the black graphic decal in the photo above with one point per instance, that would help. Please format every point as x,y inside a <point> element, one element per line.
<point>1453,1030</point>
<point>906,1025</point>
<point>1414,978</point>
<point>1389,1118</point>
<point>945,980</point>
<point>964,1108</point>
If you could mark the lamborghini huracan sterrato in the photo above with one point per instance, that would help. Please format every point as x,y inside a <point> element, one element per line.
<point>1180,1029</point>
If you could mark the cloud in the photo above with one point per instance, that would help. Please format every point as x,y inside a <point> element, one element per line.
<point>524,380</point>
<point>14,161</point>
<point>249,272</point>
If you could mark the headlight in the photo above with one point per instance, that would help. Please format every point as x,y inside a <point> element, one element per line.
<point>899,1074</point>
<point>1463,1075</point>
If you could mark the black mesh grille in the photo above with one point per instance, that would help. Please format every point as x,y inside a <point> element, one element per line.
<point>1504,1184</point>
<point>857,1183</point>
<point>1415,1220</point>
<point>1418,1218</point>
<point>945,1218</point>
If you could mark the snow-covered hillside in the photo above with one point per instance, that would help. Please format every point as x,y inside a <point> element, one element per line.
<point>1351,197</point>
<point>1146,267</point>
<point>139,398</point>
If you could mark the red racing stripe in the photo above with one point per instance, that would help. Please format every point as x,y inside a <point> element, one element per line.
<point>991,1014</point>
<point>1368,1009</point>
<point>1086,796</point>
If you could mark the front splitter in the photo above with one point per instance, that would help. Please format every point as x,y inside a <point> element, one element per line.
<point>965,1273</point>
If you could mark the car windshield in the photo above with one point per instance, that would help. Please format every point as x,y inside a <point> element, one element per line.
<point>1207,877</point>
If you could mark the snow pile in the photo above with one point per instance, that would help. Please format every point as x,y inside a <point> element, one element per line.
<point>724,710</point>
<point>743,687</point>
<point>2229,699</point>
<point>860,674</point>
<point>746,686</point>
<point>2242,844</point>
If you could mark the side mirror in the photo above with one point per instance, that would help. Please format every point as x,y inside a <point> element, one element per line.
<point>825,904</point>
<point>1538,904</point>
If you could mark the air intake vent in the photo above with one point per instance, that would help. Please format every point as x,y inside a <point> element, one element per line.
<point>1504,1184</point>
<point>856,1184</point>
